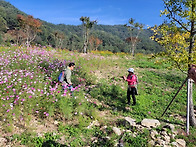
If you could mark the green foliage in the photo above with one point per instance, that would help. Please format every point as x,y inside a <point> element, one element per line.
<point>72,134</point>
<point>141,139</point>
<point>177,36</point>
<point>111,95</point>
<point>102,140</point>
<point>29,139</point>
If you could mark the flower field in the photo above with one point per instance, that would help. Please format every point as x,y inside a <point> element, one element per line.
<point>27,84</point>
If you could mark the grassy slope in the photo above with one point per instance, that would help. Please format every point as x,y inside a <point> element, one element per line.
<point>102,95</point>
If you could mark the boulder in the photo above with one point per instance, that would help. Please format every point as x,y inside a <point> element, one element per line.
<point>150,123</point>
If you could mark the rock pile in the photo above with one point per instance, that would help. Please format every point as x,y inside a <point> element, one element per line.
<point>163,136</point>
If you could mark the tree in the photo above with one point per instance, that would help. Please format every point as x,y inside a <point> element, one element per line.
<point>87,26</point>
<point>17,36</point>
<point>74,42</point>
<point>133,39</point>
<point>29,26</point>
<point>94,42</point>
<point>59,37</point>
<point>3,23</point>
<point>178,38</point>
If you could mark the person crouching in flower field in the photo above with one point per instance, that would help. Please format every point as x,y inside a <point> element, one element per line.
<point>66,77</point>
<point>132,85</point>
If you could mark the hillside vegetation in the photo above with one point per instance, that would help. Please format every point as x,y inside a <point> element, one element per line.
<point>112,37</point>
<point>36,112</point>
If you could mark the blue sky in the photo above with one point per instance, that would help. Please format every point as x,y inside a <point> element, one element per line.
<point>107,12</point>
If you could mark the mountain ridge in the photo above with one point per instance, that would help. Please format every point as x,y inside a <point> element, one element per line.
<point>112,36</point>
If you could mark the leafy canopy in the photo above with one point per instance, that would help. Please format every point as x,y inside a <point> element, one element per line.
<point>177,37</point>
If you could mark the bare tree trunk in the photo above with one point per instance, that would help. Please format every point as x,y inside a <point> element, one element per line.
<point>191,47</point>
<point>191,108</point>
<point>85,47</point>
<point>133,50</point>
<point>85,41</point>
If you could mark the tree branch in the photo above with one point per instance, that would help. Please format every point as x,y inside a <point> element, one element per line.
<point>180,68</point>
<point>177,20</point>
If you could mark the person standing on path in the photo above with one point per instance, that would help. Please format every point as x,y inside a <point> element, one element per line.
<point>132,85</point>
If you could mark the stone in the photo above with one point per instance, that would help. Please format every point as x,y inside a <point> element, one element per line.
<point>167,139</point>
<point>172,136</point>
<point>174,144</point>
<point>153,134</point>
<point>151,143</point>
<point>117,131</point>
<point>39,134</point>
<point>160,142</point>
<point>150,123</point>
<point>131,121</point>
<point>167,145</point>
<point>56,122</point>
<point>170,126</point>
<point>94,123</point>
<point>181,143</point>
<point>3,141</point>
<point>164,133</point>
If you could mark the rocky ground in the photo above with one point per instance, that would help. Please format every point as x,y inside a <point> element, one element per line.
<point>163,137</point>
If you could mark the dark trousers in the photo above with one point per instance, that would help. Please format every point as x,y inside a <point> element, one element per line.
<point>131,91</point>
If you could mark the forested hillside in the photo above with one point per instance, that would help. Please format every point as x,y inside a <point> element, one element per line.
<point>112,38</point>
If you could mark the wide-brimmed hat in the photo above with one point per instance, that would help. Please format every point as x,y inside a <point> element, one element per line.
<point>131,70</point>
